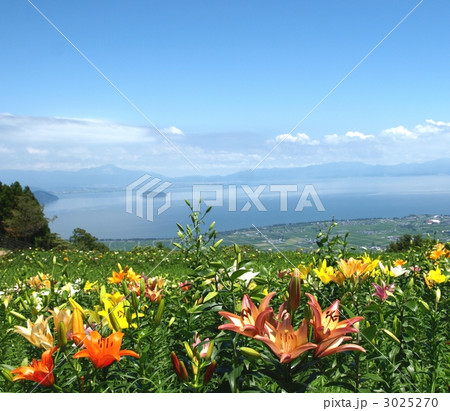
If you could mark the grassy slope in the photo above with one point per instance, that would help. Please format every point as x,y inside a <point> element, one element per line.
<point>374,233</point>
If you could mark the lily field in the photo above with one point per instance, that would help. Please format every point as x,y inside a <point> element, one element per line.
<point>202,317</point>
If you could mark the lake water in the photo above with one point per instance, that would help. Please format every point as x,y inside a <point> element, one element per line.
<point>104,215</point>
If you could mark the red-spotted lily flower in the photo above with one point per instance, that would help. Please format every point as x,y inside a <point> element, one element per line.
<point>252,320</point>
<point>286,343</point>
<point>40,371</point>
<point>383,291</point>
<point>103,351</point>
<point>329,333</point>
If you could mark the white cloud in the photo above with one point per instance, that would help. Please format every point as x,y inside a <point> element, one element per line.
<point>5,150</point>
<point>37,151</point>
<point>172,130</point>
<point>55,130</point>
<point>432,127</point>
<point>300,138</point>
<point>348,137</point>
<point>332,138</point>
<point>357,134</point>
<point>438,123</point>
<point>67,143</point>
<point>399,132</point>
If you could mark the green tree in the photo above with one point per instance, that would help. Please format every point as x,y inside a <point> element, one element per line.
<point>82,240</point>
<point>22,219</point>
<point>407,241</point>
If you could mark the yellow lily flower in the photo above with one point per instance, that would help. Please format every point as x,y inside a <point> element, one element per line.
<point>119,312</point>
<point>435,277</point>
<point>304,270</point>
<point>326,274</point>
<point>372,264</point>
<point>90,286</point>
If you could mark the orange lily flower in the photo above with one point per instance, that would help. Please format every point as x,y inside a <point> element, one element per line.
<point>438,251</point>
<point>354,269</point>
<point>286,343</point>
<point>333,346</point>
<point>40,371</point>
<point>328,331</point>
<point>252,320</point>
<point>103,351</point>
<point>77,326</point>
<point>117,277</point>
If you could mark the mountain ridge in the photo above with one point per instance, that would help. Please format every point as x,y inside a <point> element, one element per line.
<point>111,177</point>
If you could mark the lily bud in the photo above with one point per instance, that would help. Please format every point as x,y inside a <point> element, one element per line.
<point>250,353</point>
<point>134,300</point>
<point>184,373</point>
<point>294,291</point>
<point>159,312</point>
<point>397,326</point>
<point>210,351</point>
<point>128,315</point>
<point>189,351</point>
<point>307,313</point>
<point>175,363</point>
<point>125,289</point>
<point>194,365</point>
<point>62,335</point>
<point>410,284</point>
<point>7,374</point>
<point>27,296</point>
<point>209,372</point>
<point>77,325</point>
<point>114,321</point>
<point>179,367</point>
<point>23,303</point>
<point>142,287</point>
<point>438,295</point>
<point>17,315</point>
<point>75,305</point>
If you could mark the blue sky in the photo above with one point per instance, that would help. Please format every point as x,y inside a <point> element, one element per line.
<point>209,87</point>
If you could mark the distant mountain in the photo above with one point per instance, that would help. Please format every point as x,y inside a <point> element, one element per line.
<point>43,197</point>
<point>110,177</point>
<point>87,179</point>
<point>342,170</point>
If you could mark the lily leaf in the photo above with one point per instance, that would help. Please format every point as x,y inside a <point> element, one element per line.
<point>369,332</point>
<point>390,334</point>
<point>210,296</point>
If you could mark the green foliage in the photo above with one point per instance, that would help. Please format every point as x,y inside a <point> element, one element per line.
<point>197,246</point>
<point>407,241</point>
<point>331,248</point>
<point>82,240</point>
<point>22,220</point>
<point>405,337</point>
